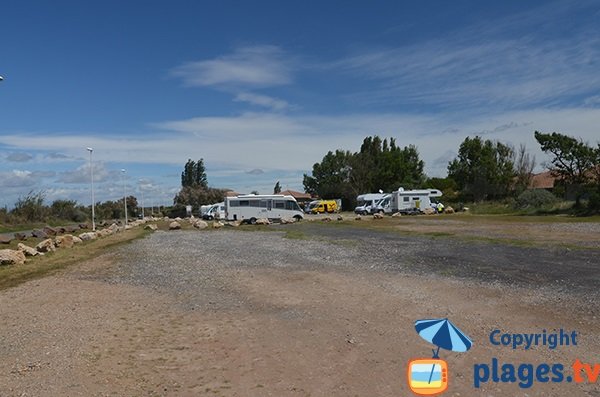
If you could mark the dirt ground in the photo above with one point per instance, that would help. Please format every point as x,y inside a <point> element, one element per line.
<point>286,325</point>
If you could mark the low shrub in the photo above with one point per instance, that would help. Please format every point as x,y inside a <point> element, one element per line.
<point>535,199</point>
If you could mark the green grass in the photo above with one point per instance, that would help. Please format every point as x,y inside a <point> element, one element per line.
<point>41,266</point>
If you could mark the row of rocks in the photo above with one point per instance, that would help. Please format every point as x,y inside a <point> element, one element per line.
<point>18,256</point>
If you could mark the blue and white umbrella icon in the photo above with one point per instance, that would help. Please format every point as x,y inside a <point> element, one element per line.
<point>443,334</point>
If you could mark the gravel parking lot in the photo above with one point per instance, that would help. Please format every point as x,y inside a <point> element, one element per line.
<point>307,310</point>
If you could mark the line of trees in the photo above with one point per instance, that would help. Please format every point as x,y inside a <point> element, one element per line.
<point>32,208</point>
<point>378,165</point>
<point>483,170</point>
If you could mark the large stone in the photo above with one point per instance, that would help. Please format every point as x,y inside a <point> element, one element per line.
<point>340,218</point>
<point>262,221</point>
<point>200,224</point>
<point>12,257</point>
<point>174,225</point>
<point>65,241</point>
<point>104,232</point>
<point>46,246</point>
<point>77,240</point>
<point>449,210</point>
<point>326,219</point>
<point>114,227</point>
<point>428,211</point>
<point>285,221</point>
<point>233,223</point>
<point>377,216</point>
<point>83,226</point>
<point>151,226</point>
<point>5,239</point>
<point>21,236</point>
<point>50,231</point>
<point>27,250</point>
<point>71,229</point>
<point>217,225</point>
<point>88,236</point>
<point>39,234</point>
<point>358,218</point>
<point>396,215</point>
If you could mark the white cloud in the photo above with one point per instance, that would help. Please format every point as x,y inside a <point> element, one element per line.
<point>18,178</point>
<point>254,66</point>
<point>82,174</point>
<point>262,100</point>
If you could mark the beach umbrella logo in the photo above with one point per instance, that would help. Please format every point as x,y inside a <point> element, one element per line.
<point>428,377</point>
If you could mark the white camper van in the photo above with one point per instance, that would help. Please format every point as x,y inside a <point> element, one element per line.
<point>249,208</point>
<point>412,201</point>
<point>383,206</point>
<point>365,202</point>
<point>216,211</point>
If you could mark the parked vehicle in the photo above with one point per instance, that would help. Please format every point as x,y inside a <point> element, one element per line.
<point>323,206</point>
<point>367,201</point>
<point>249,208</point>
<point>412,201</point>
<point>204,209</point>
<point>383,206</point>
<point>216,211</point>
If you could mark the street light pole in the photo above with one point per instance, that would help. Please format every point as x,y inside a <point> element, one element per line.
<point>92,180</point>
<point>124,195</point>
<point>142,192</point>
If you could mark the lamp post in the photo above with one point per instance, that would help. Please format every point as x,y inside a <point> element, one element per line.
<point>142,193</point>
<point>124,195</point>
<point>92,182</point>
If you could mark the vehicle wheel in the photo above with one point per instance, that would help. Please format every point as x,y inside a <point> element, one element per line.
<point>298,218</point>
<point>253,221</point>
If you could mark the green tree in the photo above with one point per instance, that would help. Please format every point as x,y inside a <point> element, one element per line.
<point>194,174</point>
<point>277,188</point>
<point>380,164</point>
<point>573,160</point>
<point>483,169</point>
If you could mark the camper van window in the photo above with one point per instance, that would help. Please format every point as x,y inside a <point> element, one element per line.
<point>234,203</point>
<point>263,203</point>
<point>416,198</point>
<point>290,205</point>
<point>279,204</point>
<point>244,203</point>
<point>406,199</point>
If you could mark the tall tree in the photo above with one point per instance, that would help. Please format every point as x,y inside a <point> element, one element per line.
<point>483,169</point>
<point>194,174</point>
<point>277,188</point>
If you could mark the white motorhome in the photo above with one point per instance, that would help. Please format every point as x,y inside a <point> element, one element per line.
<point>204,209</point>
<point>383,206</point>
<point>412,201</point>
<point>249,208</point>
<point>365,202</point>
<point>216,211</point>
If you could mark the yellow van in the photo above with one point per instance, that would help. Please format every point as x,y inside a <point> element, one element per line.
<point>323,206</point>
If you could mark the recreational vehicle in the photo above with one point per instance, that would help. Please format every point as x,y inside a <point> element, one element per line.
<point>412,201</point>
<point>249,208</point>
<point>383,206</point>
<point>216,211</point>
<point>365,202</point>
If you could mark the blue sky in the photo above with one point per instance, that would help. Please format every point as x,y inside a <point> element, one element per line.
<point>262,90</point>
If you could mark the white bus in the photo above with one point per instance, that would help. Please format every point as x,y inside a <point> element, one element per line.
<point>249,208</point>
<point>412,201</point>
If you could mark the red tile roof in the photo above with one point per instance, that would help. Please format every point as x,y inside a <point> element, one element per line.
<point>296,195</point>
<point>543,180</point>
